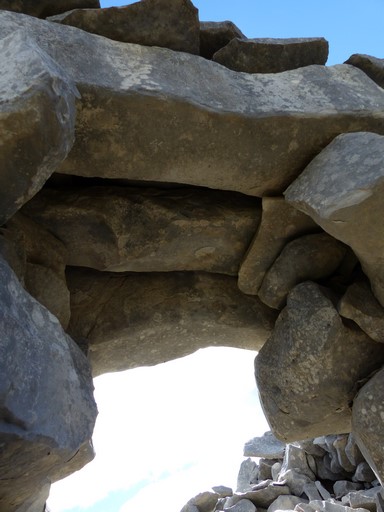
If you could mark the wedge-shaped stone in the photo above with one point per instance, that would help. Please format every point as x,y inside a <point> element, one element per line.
<point>214,35</point>
<point>372,66</point>
<point>272,55</point>
<point>37,118</point>
<point>342,190</point>
<point>309,257</point>
<point>168,116</point>
<point>149,230</point>
<point>145,319</point>
<point>360,305</point>
<point>368,421</point>
<point>171,24</point>
<point>47,407</point>
<point>280,223</point>
<point>43,8</point>
<point>307,370</point>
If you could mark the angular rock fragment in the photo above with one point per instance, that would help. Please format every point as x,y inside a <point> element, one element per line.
<point>342,190</point>
<point>362,499</point>
<point>326,506</point>
<point>309,257</point>
<point>172,24</point>
<point>37,118</point>
<point>340,444</point>
<point>360,305</point>
<point>144,319</point>
<point>280,223</point>
<point>248,475</point>
<point>47,406</point>
<point>261,497</point>
<point>161,119</point>
<point>204,502</point>
<point>272,55</point>
<point>266,446</point>
<point>306,382</point>
<point>242,506</point>
<point>372,66</point>
<point>285,502</point>
<point>215,35</point>
<point>343,487</point>
<point>149,230</point>
<point>364,473</point>
<point>44,8</point>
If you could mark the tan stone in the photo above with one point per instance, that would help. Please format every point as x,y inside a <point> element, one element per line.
<point>144,319</point>
<point>372,66</point>
<point>280,223</point>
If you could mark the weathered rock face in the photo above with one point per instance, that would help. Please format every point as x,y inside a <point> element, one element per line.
<point>372,66</point>
<point>214,35</point>
<point>44,8</point>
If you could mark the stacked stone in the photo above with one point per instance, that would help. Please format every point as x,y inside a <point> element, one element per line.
<point>324,474</point>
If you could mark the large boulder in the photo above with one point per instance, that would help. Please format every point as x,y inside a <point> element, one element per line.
<point>144,319</point>
<point>272,55</point>
<point>372,66</point>
<point>44,8</point>
<point>47,406</point>
<point>37,117</point>
<point>168,116</point>
<point>342,190</point>
<point>170,24</point>
<point>308,370</point>
<point>149,230</point>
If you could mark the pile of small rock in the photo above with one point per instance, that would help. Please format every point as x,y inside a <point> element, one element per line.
<point>325,474</point>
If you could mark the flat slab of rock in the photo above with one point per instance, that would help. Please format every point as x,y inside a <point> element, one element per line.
<point>342,190</point>
<point>44,8</point>
<point>214,35</point>
<point>267,446</point>
<point>306,382</point>
<point>170,24</point>
<point>145,319</point>
<point>280,223</point>
<point>272,55</point>
<point>149,230</point>
<point>360,305</point>
<point>261,497</point>
<point>309,257</point>
<point>37,119</point>
<point>168,116</point>
<point>372,66</point>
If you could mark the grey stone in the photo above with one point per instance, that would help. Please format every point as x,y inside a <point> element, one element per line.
<point>326,506</point>
<point>272,55</point>
<point>362,499</point>
<point>311,447</point>
<point>364,473</point>
<point>296,458</point>
<point>280,223</point>
<point>340,445</point>
<point>372,66</point>
<point>215,35</point>
<point>343,487</point>
<point>367,423</point>
<point>158,111</point>
<point>265,469</point>
<point>37,118</point>
<point>266,446</point>
<point>44,8</point>
<point>242,506</point>
<point>360,305</point>
<point>311,490</point>
<point>149,230</point>
<point>172,24</point>
<point>285,502</point>
<point>222,490</point>
<point>306,383</point>
<point>147,318</point>
<point>248,474</point>
<point>295,480</point>
<point>261,497</point>
<point>352,451</point>
<point>342,189</point>
<point>310,257</point>
<point>204,502</point>
<point>47,406</point>
<point>275,471</point>
<point>329,469</point>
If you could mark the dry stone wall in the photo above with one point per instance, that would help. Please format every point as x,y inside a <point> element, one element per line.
<point>167,184</point>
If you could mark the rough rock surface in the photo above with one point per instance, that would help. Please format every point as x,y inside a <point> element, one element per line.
<point>215,35</point>
<point>342,190</point>
<point>170,24</point>
<point>37,118</point>
<point>44,8</point>
<point>251,134</point>
<point>47,406</point>
<point>149,230</point>
<point>306,382</point>
<point>267,446</point>
<point>148,318</point>
<point>372,66</point>
<point>272,55</point>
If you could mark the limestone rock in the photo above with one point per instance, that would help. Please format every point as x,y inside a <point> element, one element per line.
<point>44,8</point>
<point>326,506</point>
<point>285,502</point>
<point>372,66</point>
<point>242,506</point>
<point>343,487</point>
<point>266,446</point>
<point>172,117</point>
<point>37,118</point>
<point>170,24</point>
<point>342,190</point>
<point>145,319</point>
<point>47,406</point>
<point>272,55</point>
<point>215,35</point>
<point>340,444</point>
<point>204,502</point>
<point>360,305</point>
<point>280,223</point>
<point>306,382</point>
<point>248,474</point>
<point>362,499</point>
<point>263,496</point>
<point>296,458</point>
<point>309,257</point>
<point>145,230</point>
